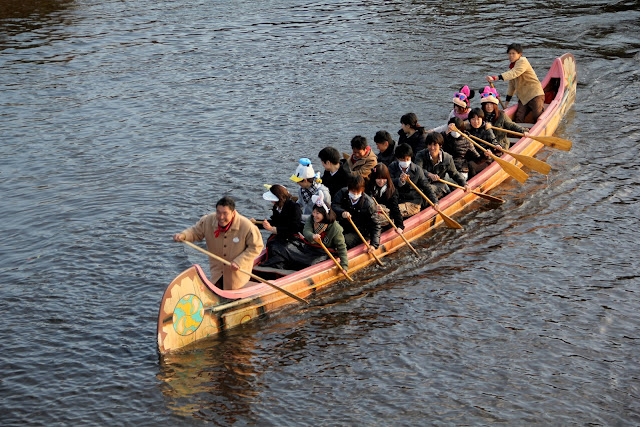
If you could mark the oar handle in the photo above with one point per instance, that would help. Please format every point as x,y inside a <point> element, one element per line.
<point>477,193</point>
<point>395,228</point>
<point>496,146</point>
<point>485,150</point>
<point>353,224</point>
<point>258,278</point>
<point>499,100</point>
<point>421,193</point>
<point>334,260</point>
<point>507,131</point>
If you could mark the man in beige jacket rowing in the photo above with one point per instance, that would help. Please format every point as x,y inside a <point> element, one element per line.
<point>230,236</point>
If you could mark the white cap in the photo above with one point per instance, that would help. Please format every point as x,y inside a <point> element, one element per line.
<point>269,196</point>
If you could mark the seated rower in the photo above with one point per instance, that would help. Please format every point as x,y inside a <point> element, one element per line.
<point>410,201</point>
<point>478,129</point>
<point>461,107</point>
<point>381,188</point>
<point>228,235</point>
<point>386,146</point>
<point>305,250</point>
<point>436,164</point>
<point>284,225</point>
<point>411,133</point>
<point>460,148</point>
<point>336,173</point>
<point>524,83</point>
<point>322,226</point>
<point>310,185</point>
<point>362,159</point>
<point>489,100</point>
<point>352,203</point>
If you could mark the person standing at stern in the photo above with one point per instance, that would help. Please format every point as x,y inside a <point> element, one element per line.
<point>524,83</point>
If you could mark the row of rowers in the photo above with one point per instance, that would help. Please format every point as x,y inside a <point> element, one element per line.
<point>363,191</point>
<point>360,194</point>
<point>367,191</point>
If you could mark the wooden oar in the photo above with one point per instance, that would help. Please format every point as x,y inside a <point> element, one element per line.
<point>257,221</point>
<point>395,228</point>
<point>477,193</point>
<point>364,241</point>
<point>515,172</point>
<point>528,161</point>
<point>499,100</point>
<point>447,220</point>
<point>224,261</point>
<point>549,141</point>
<point>335,260</point>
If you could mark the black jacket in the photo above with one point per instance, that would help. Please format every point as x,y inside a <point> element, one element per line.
<point>337,181</point>
<point>288,222</point>
<point>406,193</point>
<point>364,215</point>
<point>417,141</point>
<point>446,166</point>
<point>391,203</point>
<point>388,156</point>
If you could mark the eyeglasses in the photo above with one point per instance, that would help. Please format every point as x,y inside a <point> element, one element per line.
<point>487,94</point>
<point>461,96</point>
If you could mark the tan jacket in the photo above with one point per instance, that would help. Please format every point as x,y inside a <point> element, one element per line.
<point>242,243</point>
<point>523,81</point>
<point>363,166</point>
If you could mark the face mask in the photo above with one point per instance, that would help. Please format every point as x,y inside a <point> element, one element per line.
<point>455,135</point>
<point>404,165</point>
<point>354,196</point>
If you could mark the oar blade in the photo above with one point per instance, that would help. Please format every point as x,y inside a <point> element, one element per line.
<point>532,163</point>
<point>451,223</point>
<point>489,197</point>
<point>515,172</point>
<point>554,142</point>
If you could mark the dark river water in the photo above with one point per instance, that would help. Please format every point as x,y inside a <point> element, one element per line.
<point>122,122</point>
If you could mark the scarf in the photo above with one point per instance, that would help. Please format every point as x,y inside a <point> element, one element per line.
<point>512,64</point>
<point>490,117</point>
<point>379,191</point>
<point>227,227</point>
<point>321,229</point>
<point>366,153</point>
<point>306,193</point>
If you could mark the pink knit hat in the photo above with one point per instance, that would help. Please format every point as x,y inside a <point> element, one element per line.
<point>462,98</point>
<point>489,94</point>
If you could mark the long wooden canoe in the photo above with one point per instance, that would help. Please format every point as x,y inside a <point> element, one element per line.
<point>192,308</point>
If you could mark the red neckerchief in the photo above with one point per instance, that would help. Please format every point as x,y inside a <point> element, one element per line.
<point>224,230</point>
<point>366,153</point>
<point>512,64</point>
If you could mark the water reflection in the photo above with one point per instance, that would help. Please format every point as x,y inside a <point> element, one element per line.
<point>19,16</point>
<point>214,383</point>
